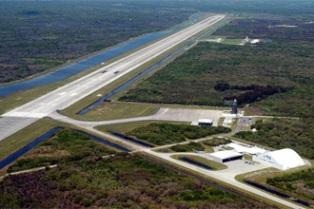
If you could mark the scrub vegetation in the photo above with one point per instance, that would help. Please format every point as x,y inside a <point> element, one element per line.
<point>274,77</point>
<point>40,35</point>
<point>216,142</point>
<point>190,147</point>
<point>297,134</point>
<point>164,133</point>
<point>83,178</point>
<point>301,183</point>
<point>296,183</point>
<point>65,146</point>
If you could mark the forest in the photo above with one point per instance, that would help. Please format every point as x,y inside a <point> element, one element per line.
<point>252,93</point>
<point>40,35</point>
<point>36,36</point>
<point>283,67</point>
<point>105,178</point>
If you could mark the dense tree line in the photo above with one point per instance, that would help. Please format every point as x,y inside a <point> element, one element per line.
<point>252,92</point>
<point>282,68</point>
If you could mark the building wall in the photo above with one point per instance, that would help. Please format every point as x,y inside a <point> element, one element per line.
<point>270,162</point>
<point>225,160</point>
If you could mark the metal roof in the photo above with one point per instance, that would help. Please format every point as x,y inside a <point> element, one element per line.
<point>226,154</point>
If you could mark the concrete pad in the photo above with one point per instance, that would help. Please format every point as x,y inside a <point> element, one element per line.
<point>25,115</point>
<point>188,115</point>
<point>11,125</point>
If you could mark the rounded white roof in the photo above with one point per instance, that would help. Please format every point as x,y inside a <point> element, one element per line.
<point>288,158</point>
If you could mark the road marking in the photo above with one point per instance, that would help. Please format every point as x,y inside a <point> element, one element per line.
<point>62,93</point>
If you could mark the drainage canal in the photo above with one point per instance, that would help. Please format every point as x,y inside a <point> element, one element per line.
<point>131,139</point>
<point>140,75</point>
<point>195,163</point>
<point>11,158</point>
<point>84,64</point>
<point>132,80</point>
<point>96,138</point>
<point>272,191</point>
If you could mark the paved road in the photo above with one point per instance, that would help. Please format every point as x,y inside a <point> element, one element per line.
<point>218,176</point>
<point>11,125</point>
<point>69,94</point>
<point>243,122</point>
<point>163,114</point>
<point>227,175</point>
<point>77,90</point>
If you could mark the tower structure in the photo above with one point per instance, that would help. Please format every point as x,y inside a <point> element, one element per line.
<point>234,107</point>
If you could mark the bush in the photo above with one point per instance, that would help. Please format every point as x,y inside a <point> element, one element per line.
<point>188,147</point>
<point>164,133</point>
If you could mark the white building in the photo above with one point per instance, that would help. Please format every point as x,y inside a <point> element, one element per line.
<point>205,122</point>
<point>252,150</point>
<point>282,159</point>
<point>225,156</point>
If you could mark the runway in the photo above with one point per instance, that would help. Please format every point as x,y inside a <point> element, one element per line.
<point>73,92</point>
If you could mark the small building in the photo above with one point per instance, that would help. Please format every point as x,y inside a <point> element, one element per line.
<point>282,159</point>
<point>252,150</point>
<point>205,122</point>
<point>225,156</point>
<point>255,41</point>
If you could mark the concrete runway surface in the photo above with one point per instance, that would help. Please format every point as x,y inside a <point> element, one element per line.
<point>69,94</point>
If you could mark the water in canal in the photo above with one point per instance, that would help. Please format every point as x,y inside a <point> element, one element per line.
<point>131,139</point>
<point>184,159</point>
<point>103,56</point>
<point>145,72</point>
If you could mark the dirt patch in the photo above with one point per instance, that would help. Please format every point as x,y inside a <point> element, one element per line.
<point>300,187</point>
<point>56,153</point>
<point>254,110</point>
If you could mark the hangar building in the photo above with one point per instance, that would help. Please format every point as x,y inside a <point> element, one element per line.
<point>252,150</point>
<point>282,159</point>
<point>205,122</point>
<point>225,156</point>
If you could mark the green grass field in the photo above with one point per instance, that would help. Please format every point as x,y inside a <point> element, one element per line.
<point>25,136</point>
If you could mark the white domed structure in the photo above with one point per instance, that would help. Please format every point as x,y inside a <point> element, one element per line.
<point>282,159</point>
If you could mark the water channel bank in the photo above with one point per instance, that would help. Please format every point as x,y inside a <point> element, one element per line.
<point>147,71</point>
<point>14,156</point>
<point>79,66</point>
